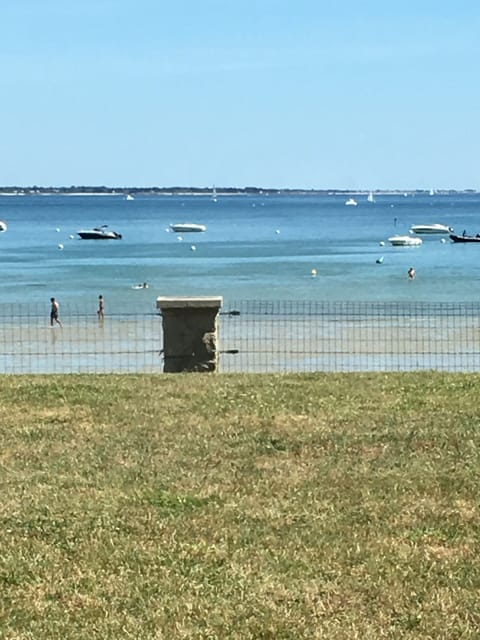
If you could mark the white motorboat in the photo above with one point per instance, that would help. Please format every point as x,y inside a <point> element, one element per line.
<point>99,233</point>
<point>431,228</point>
<point>188,227</point>
<point>405,241</point>
<point>3,226</point>
<point>351,202</point>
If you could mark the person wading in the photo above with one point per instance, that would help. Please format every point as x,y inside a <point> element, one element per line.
<point>54,312</point>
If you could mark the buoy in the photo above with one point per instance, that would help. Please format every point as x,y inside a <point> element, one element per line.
<point>179,238</point>
<point>379,260</point>
<point>382,243</point>
<point>277,231</point>
<point>57,230</point>
<point>313,272</point>
<point>443,240</point>
<point>193,248</point>
<point>3,226</point>
<point>71,236</point>
<point>60,246</point>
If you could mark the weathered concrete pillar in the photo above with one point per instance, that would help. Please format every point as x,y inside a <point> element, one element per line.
<point>190,333</point>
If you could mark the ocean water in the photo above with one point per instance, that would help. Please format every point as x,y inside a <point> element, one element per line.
<point>255,248</point>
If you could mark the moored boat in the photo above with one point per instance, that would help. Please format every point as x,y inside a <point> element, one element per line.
<point>405,241</point>
<point>99,233</point>
<point>430,228</point>
<point>351,202</point>
<point>188,227</point>
<point>464,238</point>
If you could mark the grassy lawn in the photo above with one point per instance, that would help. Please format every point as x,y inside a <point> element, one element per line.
<point>336,506</point>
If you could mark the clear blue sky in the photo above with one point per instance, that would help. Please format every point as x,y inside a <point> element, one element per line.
<point>272,93</point>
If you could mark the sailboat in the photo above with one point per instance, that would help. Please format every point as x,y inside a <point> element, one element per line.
<point>370,197</point>
<point>214,195</point>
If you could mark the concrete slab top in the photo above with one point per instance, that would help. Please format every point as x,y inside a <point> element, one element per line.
<point>196,302</point>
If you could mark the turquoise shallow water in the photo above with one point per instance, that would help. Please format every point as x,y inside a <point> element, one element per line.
<point>254,248</point>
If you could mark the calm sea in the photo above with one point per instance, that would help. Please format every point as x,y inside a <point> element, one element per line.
<point>260,248</point>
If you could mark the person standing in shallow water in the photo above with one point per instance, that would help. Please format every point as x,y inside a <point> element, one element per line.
<point>101,308</point>
<point>54,312</point>
<point>411,273</point>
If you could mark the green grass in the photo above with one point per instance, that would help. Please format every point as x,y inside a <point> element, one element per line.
<point>249,507</point>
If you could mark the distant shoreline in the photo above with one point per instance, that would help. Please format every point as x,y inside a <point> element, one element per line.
<point>225,191</point>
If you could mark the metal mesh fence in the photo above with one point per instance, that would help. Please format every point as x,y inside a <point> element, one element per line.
<point>123,343</point>
<point>308,336</point>
<point>254,336</point>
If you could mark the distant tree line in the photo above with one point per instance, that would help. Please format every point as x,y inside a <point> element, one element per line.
<point>177,190</point>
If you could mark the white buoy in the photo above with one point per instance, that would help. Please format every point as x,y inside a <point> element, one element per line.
<point>60,246</point>
<point>443,240</point>
<point>379,260</point>
<point>193,248</point>
<point>313,273</point>
<point>71,237</point>
<point>57,230</point>
<point>382,243</point>
<point>277,231</point>
<point>179,238</point>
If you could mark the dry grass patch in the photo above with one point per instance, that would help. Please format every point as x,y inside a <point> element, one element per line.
<point>282,507</point>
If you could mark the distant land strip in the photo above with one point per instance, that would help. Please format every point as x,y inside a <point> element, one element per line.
<point>219,191</point>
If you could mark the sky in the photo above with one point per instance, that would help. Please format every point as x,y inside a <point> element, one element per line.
<point>313,94</point>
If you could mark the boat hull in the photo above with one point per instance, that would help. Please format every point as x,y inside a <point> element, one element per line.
<point>431,229</point>
<point>99,234</point>
<point>188,227</point>
<point>404,241</point>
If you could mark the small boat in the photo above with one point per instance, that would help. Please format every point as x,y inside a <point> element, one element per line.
<point>3,226</point>
<point>430,228</point>
<point>404,241</point>
<point>99,233</point>
<point>188,227</point>
<point>465,238</point>
<point>129,197</point>
<point>370,197</point>
<point>351,202</point>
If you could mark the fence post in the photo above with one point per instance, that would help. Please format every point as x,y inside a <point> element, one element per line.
<point>190,333</point>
